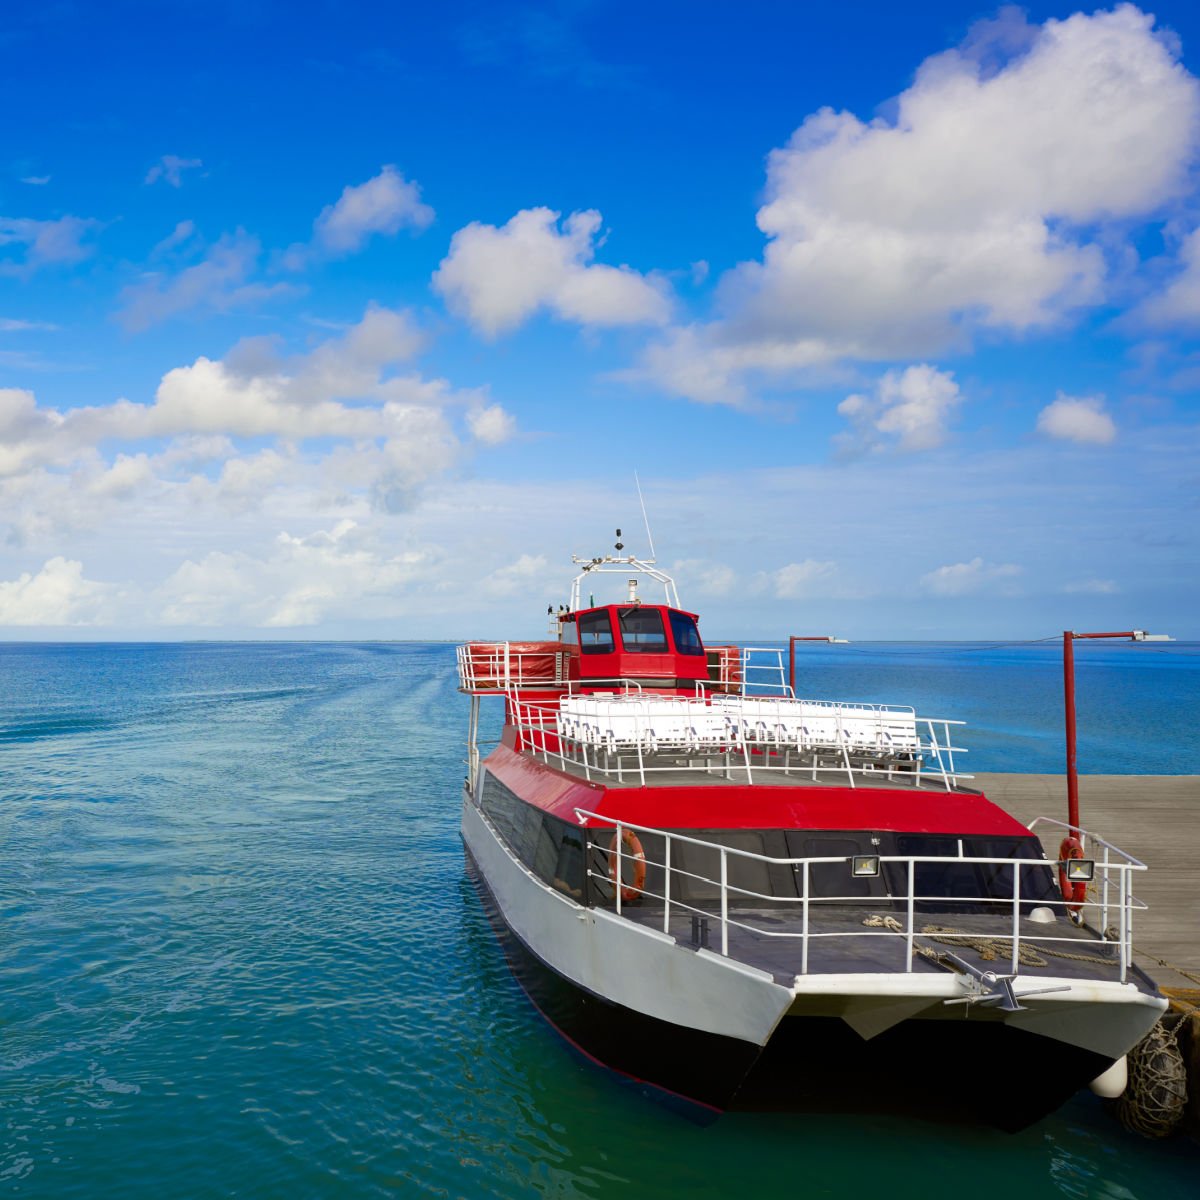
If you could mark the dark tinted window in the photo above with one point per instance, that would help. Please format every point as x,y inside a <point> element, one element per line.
<point>744,875</point>
<point>595,633</point>
<point>685,633</point>
<point>642,631</point>
<point>953,884</point>
<point>552,849</point>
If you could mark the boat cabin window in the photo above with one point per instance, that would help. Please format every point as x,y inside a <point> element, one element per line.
<point>685,633</point>
<point>642,630</point>
<point>951,885</point>
<point>595,632</point>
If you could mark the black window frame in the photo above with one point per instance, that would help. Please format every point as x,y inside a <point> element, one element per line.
<point>597,617</point>
<point>688,622</point>
<point>663,647</point>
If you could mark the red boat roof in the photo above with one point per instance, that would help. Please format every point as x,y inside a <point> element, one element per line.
<point>743,806</point>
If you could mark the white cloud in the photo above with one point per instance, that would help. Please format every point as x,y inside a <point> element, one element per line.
<point>44,243</point>
<point>799,580</point>
<point>491,425</point>
<point>526,576</point>
<point>14,325</point>
<point>705,578</point>
<point>57,595</point>
<point>793,581</point>
<point>220,282</point>
<point>385,204</point>
<point>349,424</point>
<point>170,169</point>
<point>965,578</point>
<point>1077,419</point>
<point>910,409</point>
<point>181,235</point>
<point>1178,304</point>
<point>975,208</point>
<point>497,278</point>
<point>332,573</point>
<point>36,180</point>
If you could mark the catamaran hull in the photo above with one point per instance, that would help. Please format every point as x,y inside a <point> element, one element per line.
<point>725,1036</point>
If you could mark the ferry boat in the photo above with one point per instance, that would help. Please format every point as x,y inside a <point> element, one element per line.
<point>752,900</point>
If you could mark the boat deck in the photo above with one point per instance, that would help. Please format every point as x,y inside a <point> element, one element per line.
<point>1153,817</point>
<point>841,943</point>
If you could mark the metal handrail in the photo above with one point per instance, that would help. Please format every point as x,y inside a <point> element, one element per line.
<point>737,745</point>
<point>1128,902</point>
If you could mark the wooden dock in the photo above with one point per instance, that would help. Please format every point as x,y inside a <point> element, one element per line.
<point>1156,818</point>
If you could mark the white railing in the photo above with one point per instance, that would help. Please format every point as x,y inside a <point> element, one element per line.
<point>1106,902</point>
<point>612,734</point>
<point>1115,869</point>
<point>497,667</point>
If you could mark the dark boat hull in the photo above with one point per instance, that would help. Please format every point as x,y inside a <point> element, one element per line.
<point>944,1070</point>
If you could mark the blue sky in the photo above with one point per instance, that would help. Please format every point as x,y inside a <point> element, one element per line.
<point>320,321</point>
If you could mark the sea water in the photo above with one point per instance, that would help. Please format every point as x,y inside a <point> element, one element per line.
<point>239,955</point>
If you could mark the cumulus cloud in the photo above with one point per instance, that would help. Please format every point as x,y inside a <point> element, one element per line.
<point>793,581</point>
<point>798,580</point>
<point>491,425</point>
<point>705,577</point>
<point>220,282</point>
<point>170,169</point>
<point>349,418</point>
<point>38,244</point>
<point>528,574</point>
<point>383,205</point>
<point>57,594</point>
<point>1077,419</point>
<point>965,578</point>
<point>974,208</point>
<point>497,278</point>
<point>302,581</point>
<point>909,409</point>
<point>1178,304</point>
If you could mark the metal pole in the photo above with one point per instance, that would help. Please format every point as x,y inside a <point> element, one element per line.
<point>792,664</point>
<point>1069,705</point>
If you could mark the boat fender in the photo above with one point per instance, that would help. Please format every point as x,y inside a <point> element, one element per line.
<point>1074,893</point>
<point>633,852</point>
<point>1111,1084</point>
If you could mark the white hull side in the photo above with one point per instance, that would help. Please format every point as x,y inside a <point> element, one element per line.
<point>642,969</point>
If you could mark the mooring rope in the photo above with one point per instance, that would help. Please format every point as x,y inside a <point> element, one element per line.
<point>1155,1097</point>
<point>1162,962</point>
<point>989,949</point>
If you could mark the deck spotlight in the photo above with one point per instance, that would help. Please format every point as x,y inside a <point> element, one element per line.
<point>864,866</point>
<point>1080,870</point>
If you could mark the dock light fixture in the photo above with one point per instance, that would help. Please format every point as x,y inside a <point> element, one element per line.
<point>1080,870</point>
<point>824,637</point>
<point>1069,640</point>
<point>864,866</point>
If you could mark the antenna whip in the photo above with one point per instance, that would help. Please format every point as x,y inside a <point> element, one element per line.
<point>642,502</point>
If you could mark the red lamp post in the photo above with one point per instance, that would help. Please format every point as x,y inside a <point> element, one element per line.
<point>792,654</point>
<point>1069,639</point>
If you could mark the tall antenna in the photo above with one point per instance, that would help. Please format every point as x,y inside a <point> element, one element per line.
<point>642,502</point>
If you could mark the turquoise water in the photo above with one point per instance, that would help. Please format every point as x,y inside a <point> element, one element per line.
<point>239,955</point>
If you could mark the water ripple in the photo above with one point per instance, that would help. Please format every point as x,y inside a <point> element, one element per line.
<point>241,957</point>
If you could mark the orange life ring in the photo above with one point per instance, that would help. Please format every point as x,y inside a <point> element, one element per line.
<point>1074,892</point>
<point>634,851</point>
